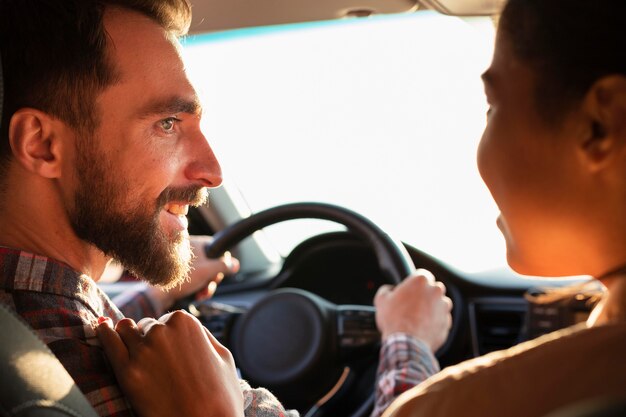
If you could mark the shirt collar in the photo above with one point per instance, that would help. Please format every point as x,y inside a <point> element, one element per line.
<point>25,271</point>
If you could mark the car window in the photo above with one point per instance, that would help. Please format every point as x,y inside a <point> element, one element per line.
<point>380,115</point>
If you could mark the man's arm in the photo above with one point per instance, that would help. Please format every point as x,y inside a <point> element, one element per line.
<point>414,320</point>
<point>259,402</point>
<point>404,363</point>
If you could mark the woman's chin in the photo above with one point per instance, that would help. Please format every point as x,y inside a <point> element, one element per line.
<point>539,268</point>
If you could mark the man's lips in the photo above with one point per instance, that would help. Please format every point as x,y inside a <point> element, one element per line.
<point>177,209</point>
<point>175,216</point>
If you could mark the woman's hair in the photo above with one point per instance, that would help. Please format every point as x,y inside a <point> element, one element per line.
<point>569,44</point>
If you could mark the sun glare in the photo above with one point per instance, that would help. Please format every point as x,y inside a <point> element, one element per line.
<point>382,116</point>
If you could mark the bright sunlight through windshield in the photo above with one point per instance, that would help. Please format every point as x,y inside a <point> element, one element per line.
<point>382,116</point>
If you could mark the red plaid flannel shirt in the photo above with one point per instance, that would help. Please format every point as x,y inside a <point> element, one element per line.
<point>63,307</point>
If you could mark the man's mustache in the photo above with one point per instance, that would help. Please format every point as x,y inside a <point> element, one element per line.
<point>194,196</point>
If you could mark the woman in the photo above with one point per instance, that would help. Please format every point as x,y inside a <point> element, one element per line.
<point>554,158</point>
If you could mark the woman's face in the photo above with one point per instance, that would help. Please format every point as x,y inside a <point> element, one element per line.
<point>532,171</point>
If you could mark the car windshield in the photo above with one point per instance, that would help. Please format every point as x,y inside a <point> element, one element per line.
<point>380,115</point>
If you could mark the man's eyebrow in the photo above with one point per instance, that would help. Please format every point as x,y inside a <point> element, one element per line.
<point>172,105</point>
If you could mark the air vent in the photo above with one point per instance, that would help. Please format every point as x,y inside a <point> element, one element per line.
<point>496,323</point>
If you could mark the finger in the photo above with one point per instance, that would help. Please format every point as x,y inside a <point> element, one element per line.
<point>412,283</point>
<point>217,347</point>
<point>129,333</point>
<point>182,318</point>
<point>231,264</point>
<point>384,289</point>
<point>228,265</point>
<point>211,288</point>
<point>165,317</point>
<point>203,294</point>
<point>426,274</point>
<point>211,338</point>
<point>235,266</point>
<point>144,325</point>
<point>382,292</point>
<point>178,315</point>
<point>112,343</point>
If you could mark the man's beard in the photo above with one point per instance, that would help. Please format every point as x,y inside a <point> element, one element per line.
<point>127,229</point>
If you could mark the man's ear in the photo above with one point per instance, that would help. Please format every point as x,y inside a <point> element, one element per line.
<point>605,121</point>
<point>35,139</point>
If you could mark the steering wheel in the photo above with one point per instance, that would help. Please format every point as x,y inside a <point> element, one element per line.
<point>293,339</point>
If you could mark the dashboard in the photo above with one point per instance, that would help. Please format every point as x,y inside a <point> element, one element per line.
<point>337,267</point>
<point>490,309</point>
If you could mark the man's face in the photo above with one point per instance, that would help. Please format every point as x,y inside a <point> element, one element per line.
<point>531,170</point>
<point>147,161</point>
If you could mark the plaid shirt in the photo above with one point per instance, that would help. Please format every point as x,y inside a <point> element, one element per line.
<point>404,363</point>
<point>63,307</point>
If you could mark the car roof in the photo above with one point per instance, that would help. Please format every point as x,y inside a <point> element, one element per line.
<point>219,15</point>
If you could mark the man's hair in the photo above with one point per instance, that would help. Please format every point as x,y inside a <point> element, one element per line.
<point>568,44</point>
<point>54,55</point>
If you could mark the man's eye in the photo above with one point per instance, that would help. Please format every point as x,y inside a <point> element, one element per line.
<point>168,124</point>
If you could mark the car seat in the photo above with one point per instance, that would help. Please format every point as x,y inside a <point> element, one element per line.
<point>33,382</point>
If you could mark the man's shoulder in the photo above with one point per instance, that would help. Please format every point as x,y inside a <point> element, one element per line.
<point>47,293</point>
<point>67,327</point>
<point>52,317</point>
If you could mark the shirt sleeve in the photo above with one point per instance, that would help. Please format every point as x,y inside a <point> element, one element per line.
<point>259,402</point>
<point>135,303</point>
<point>404,363</point>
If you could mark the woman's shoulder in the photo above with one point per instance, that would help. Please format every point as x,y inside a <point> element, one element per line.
<point>532,378</point>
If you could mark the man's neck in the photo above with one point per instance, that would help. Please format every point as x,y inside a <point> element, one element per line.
<point>40,226</point>
<point>89,260</point>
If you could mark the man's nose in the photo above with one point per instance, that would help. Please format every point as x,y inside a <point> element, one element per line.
<point>204,166</point>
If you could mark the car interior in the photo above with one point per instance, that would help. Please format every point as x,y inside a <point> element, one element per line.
<point>299,315</point>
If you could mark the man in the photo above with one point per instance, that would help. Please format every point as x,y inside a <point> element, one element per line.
<point>93,175</point>
<point>101,155</point>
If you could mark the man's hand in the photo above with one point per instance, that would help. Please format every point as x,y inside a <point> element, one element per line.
<point>206,274</point>
<point>417,306</point>
<point>172,367</point>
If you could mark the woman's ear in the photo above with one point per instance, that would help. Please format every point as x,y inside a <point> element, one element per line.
<point>605,119</point>
<point>36,141</point>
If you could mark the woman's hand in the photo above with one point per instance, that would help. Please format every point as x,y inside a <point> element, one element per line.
<point>172,367</point>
